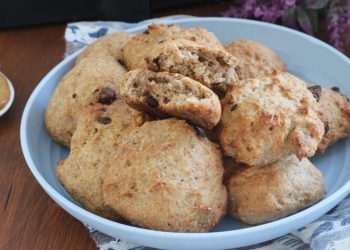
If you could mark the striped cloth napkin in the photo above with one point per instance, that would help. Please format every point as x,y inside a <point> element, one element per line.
<point>330,232</point>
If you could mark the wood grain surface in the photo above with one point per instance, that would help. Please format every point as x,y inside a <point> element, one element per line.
<point>29,219</point>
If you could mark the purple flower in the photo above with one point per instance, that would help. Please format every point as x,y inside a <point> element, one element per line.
<point>337,22</point>
<point>298,14</point>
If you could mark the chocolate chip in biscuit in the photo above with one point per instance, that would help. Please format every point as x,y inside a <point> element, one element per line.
<point>201,59</point>
<point>326,127</point>
<point>234,106</point>
<point>152,102</point>
<point>107,96</point>
<point>156,63</point>
<point>316,91</point>
<point>222,61</point>
<point>74,95</point>
<point>336,89</point>
<point>104,120</point>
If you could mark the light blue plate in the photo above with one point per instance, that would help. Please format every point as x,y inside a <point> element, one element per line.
<point>307,57</point>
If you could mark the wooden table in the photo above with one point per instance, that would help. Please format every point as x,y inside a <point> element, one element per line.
<point>29,219</point>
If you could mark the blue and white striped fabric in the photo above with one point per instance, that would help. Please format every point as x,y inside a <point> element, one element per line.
<point>330,232</point>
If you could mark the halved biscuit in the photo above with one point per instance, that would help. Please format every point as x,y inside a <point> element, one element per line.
<point>213,67</point>
<point>166,94</point>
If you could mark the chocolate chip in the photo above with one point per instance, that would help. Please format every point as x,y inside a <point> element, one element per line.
<point>74,95</point>
<point>152,102</point>
<point>161,41</point>
<point>107,96</point>
<point>104,120</point>
<point>336,89</point>
<point>146,32</point>
<point>156,62</point>
<point>326,127</point>
<point>316,91</point>
<point>234,106</point>
<point>201,59</point>
<point>221,60</point>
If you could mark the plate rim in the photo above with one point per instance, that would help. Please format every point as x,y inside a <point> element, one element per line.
<point>333,198</point>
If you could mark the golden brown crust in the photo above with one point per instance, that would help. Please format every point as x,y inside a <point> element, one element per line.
<point>107,46</point>
<point>335,110</point>
<point>166,177</point>
<point>262,194</point>
<point>73,91</point>
<point>254,59</point>
<point>267,118</point>
<point>95,140</point>
<point>136,49</point>
<point>167,94</point>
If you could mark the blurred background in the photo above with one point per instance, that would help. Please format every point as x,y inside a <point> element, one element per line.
<point>325,19</point>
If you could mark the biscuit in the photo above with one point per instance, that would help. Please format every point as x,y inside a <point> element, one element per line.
<point>94,142</point>
<point>213,67</point>
<point>166,177</point>
<point>335,110</point>
<point>166,94</point>
<point>137,48</point>
<point>254,59</point>
<point>262,194</point>
<point>267,118</point>
<point>73,91</point>
<point>107,46</point>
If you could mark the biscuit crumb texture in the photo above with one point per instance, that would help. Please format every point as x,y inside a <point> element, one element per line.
<point>213,67</point>
<point>167,94</point>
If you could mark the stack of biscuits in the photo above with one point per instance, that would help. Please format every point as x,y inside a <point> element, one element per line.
<point>170,130</point>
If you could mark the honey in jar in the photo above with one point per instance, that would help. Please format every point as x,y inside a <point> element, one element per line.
<point>4,91</point>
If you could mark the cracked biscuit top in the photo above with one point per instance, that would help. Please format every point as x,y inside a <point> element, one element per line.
<point>267,118</point>
<point>165,176</point>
